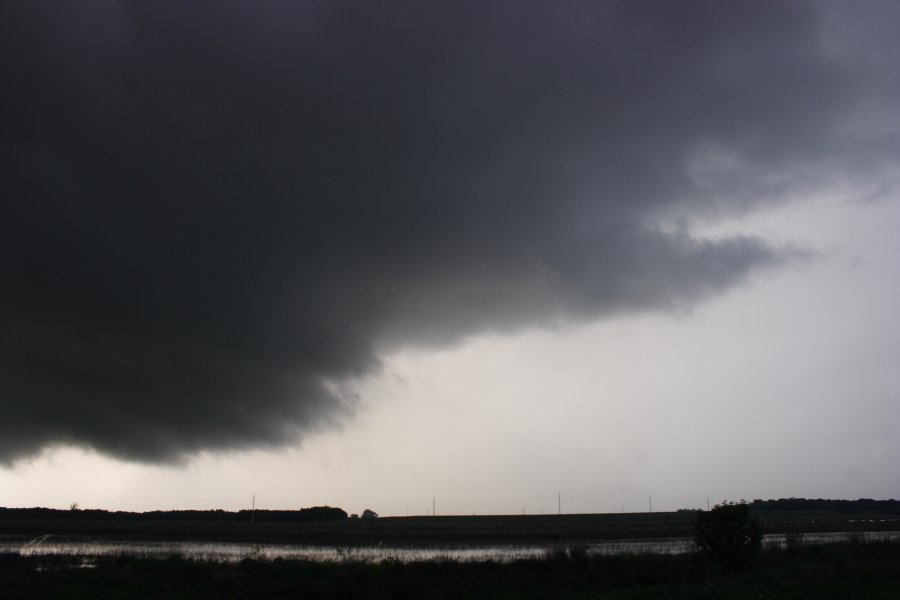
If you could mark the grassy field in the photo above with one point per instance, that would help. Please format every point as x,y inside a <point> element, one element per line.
<point>535,529</point>
<point>844,570</point>
<point>847,570</point>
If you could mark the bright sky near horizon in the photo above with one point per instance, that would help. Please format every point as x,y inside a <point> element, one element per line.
<point>493,255</point>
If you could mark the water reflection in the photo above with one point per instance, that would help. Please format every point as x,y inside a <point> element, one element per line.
<point>234,552</point>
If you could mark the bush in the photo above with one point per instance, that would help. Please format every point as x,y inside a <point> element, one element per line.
<point>793,542</point>
<point>727,536</point>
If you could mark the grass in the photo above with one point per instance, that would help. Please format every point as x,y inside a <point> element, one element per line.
<point>845,570</point>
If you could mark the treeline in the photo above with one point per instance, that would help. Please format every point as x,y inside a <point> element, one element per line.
<point>819,504</point>
<point>313,514</point>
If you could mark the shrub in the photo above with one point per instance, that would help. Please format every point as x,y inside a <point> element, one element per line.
<point>793,542</point>
<point>727,536</point>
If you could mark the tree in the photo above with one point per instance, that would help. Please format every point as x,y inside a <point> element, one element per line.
<point>727,535</point>
<point>369,514</point>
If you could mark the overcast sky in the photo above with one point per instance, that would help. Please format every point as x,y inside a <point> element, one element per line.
<point>371,254</point>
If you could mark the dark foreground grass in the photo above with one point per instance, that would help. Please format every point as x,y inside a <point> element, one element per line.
<point>847,570</point>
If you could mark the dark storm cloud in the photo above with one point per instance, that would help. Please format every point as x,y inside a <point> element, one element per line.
<point>214,213</point>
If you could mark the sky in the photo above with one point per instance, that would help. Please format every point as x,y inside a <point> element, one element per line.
<point>493,257</point>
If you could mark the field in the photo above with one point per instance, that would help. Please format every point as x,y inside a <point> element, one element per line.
<point>848,570</point>
<point>566,569</point>
<point>537,529</point>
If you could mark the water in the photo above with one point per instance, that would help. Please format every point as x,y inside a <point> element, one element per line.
<point>233,552</point>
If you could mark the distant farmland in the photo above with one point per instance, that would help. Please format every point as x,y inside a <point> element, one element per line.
<point>531,529</point>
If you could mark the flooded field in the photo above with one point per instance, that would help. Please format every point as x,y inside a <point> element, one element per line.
<point>49,545</point>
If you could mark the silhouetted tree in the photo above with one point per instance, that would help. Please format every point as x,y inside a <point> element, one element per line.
<point>369,514</point>
<point>727,535</point>
<point>819,504</point>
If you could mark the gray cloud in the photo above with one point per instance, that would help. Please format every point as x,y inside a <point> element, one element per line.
<point>216,212</point>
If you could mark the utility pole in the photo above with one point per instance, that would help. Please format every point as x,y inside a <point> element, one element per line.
<point>253,510</point>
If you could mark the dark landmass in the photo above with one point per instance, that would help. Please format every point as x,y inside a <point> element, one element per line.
<point>330,526</point>
<point>304,515</point>
<point>504,529</point>
<point>853,569</point>
<point>845,570</point>
<point>863,505</point>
